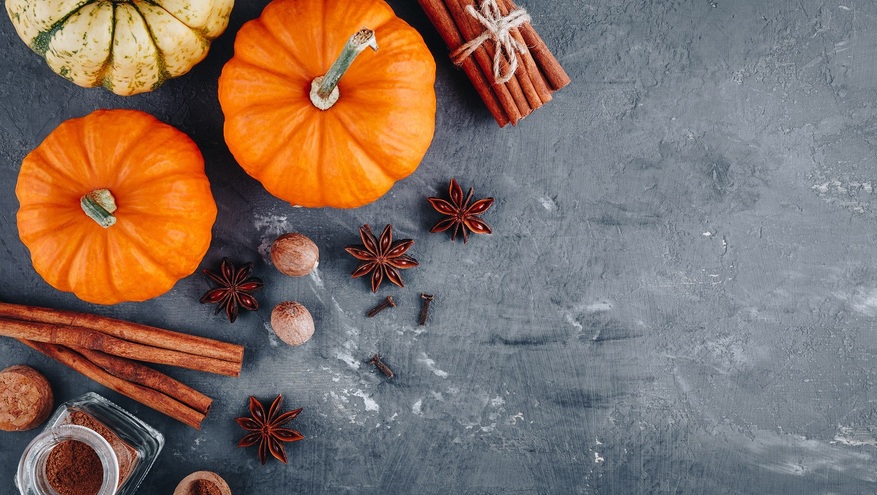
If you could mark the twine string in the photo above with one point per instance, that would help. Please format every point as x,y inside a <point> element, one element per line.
<point>497,28</point>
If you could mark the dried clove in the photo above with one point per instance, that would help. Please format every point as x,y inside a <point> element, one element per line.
<point>424,309</point>
<point>386,303</point>
<point>376,360</point>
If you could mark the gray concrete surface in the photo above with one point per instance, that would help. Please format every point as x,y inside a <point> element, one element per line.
<point>680,295</point>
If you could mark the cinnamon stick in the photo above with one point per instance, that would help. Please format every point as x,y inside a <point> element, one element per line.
<point>538,74</point>
<point>529,89</point>
<point>468,30</point>
<point>141,374</point>
<point>440,17</point>
<point>72,336</point>
<point>134,332</point>
<point>531,70</point>
<point>513,85</point>
<point>551,68</point>
<point>144,395</point>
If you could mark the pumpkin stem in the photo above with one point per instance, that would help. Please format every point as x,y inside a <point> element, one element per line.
<point>324,89</point>
<point>99,205</point>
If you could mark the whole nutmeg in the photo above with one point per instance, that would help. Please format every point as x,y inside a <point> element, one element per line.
<point>292,322</point>
<point>295,254</point>
<point>25,398</point>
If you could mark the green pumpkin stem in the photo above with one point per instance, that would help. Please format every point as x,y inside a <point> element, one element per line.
<point>99,205</point>
<point>324,89</point>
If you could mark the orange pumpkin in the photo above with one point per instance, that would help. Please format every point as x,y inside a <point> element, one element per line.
<point>115,206</point>
<point>354,150</point>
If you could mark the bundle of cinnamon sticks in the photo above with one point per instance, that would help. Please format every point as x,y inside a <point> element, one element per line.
<point>111,352</point>
<point>538,73</point>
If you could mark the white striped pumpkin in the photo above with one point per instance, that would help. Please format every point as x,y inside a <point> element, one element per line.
<point>128,46</point>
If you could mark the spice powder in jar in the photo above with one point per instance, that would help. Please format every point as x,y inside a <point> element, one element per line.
<point>73,468</point>
<point>90,447</point>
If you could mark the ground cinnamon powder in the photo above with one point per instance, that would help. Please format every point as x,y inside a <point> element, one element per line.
<point>202,487</point>
<point>73,468</point>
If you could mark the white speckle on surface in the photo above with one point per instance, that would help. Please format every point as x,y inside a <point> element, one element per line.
<point>352,331</point>
<point>856,437</point>
<point>339,398</point>
<point>866,302</point>
<point>572,321</point>
<point>843,7</point>
<point>315,277</point>
<point>799,456</point>
<point>270,226</point>
<point>430,365</point>
<point>598,307</point>
<point>548,203</point>
<point>370,404</point>
<point>852,194</point>
<point>513,420</point>
<point>348,358</point>
<point>273,341</point>
<point>708,234</point>
<point>497,401</point>
<point>416,407</point>
<point>598,458</point>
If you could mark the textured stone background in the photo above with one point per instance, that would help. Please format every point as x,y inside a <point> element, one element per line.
<point>680,296</point>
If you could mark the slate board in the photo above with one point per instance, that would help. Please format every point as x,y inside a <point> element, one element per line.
<point>679,297</point>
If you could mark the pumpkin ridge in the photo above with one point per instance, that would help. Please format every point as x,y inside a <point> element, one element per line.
<point>327,56</point>
<point>94,288</point>
<point>36,234</point>
<point>40,44</point>
<point>357,140</point>
<point>136,182</point>
<point>297,61</point>
<point>106,80</point>
<point>71,257</point>
<point>136,81</point>
<point>44,160</point>
<point>200,31</point>
<point>161,64</point>
<point>320,175</point>
<point>272,105</point>
<point>269,70</point>
<point>323,41</point>
<point>70,184</point>
<point>175,17</point>
<point>136,242</point>
<point>120,168</point>
<point>144,254</point>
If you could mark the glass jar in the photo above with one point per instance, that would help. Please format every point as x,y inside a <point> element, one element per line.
<point>124,446</point>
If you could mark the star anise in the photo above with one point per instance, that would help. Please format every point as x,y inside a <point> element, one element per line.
<point>383,258</point>
<point>267,429</point>
<point>461,215</point>
<point>233,293</point>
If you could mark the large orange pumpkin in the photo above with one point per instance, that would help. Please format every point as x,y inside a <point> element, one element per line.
<point>351,153</point>
<point>115,206</point>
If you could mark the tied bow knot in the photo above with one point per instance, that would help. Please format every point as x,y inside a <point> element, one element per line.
<point>497,28</point>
